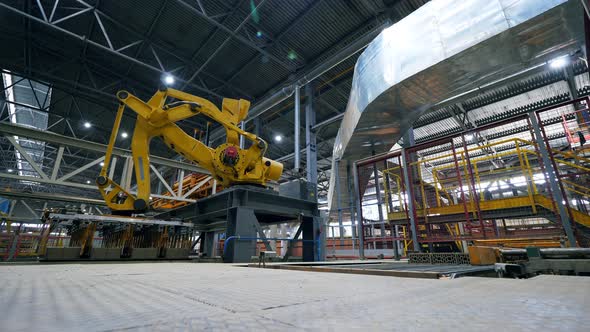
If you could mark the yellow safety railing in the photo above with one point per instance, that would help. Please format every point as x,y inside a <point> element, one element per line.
<point>433,190</point>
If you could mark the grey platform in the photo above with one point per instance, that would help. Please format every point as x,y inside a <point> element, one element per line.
<point>193,296</point>
<point>242,211</point>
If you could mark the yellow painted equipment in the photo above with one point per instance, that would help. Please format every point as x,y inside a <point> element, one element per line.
<point>534,197</point>
<point>227,163</point>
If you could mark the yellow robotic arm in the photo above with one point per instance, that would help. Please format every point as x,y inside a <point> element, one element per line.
<point>228,163</point>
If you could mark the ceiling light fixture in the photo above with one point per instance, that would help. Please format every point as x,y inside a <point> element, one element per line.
<point>10,170</point>
<point>169,79</point>
<point>124,135</point>
<point>87,124</point>
<point>278,138</point>
<point>558,62</point>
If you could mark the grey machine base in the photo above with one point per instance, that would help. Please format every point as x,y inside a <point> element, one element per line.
<point>240,212</point>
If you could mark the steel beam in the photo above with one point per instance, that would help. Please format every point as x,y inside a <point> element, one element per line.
<point>35,215</point>
<point>51,197</point>
<point>297,129</point>
<point>25,155</point>
<point>86,41</point>
<point>409,141</point>
<point>379,201</point>
<point>81,169</point>
<point>234,34</point>
<point>310,137</point>
<point>339,202</point>
<point>197,187</point>
<point>49,137</point>
<point>553,181</point>
<point>161,178</point>
<point>359,224</point>
<point>309,75</point>
<point>118,219</point>
<point>225,42</point>
<point>277,38</point>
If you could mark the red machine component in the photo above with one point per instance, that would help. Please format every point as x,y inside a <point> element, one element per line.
<point>231,155</point>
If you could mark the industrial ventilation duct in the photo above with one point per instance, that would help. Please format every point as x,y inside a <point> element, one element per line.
<point>443,49</point>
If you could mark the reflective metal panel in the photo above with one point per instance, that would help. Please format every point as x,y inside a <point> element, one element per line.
<point>443,49</point>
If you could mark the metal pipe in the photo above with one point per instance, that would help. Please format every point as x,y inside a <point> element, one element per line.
<point>296,126</point>
<point>271,101</point>
<point>328,121</point>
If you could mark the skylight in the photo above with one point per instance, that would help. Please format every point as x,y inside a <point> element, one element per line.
<point>24,99</point>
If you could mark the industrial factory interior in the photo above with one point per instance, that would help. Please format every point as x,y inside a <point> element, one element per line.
<point>405,165</point>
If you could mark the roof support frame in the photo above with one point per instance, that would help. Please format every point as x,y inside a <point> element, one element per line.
<point>27,157</point>
<point>236,36</point>
<point>88,42</point>
<point>227,40</point>
<point>277,38</point>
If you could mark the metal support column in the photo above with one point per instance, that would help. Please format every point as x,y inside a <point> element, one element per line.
<point>296,128</point>
<point>409,141</point>
<point>257,126</point>
<point>552,176</point>
<point>339,202</point>
<point>242,138</point>
<point>310,137</point>
<point>356,193</point>
<point>180,182</point>
<point>379,203</point>
<point>394,233</point>
<point>240,223</point>
<point>353,198</point>
<point>207,133</point>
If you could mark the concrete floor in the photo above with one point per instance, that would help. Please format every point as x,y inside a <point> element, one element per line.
<point>191,296</point>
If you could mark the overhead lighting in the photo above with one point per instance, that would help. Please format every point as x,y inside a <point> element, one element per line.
<point>259,34</point>
<point>169,79</point>
<point>87,124</point>
<point>469,137</point>
<point>278,138</point>
<point>10,170</point>
<point>101,164</point>
<point>558,62</point>
<point>124,135</point>
<point>87,181</point>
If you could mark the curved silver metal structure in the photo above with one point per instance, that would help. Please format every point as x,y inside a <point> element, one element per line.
<point>443,49</point>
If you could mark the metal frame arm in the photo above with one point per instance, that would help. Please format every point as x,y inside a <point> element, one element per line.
<point>227,162</point>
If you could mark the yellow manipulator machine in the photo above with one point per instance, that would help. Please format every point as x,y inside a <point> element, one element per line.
<point>227,162</point>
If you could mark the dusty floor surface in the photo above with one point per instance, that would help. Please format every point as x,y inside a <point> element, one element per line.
<point>192,296</point>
